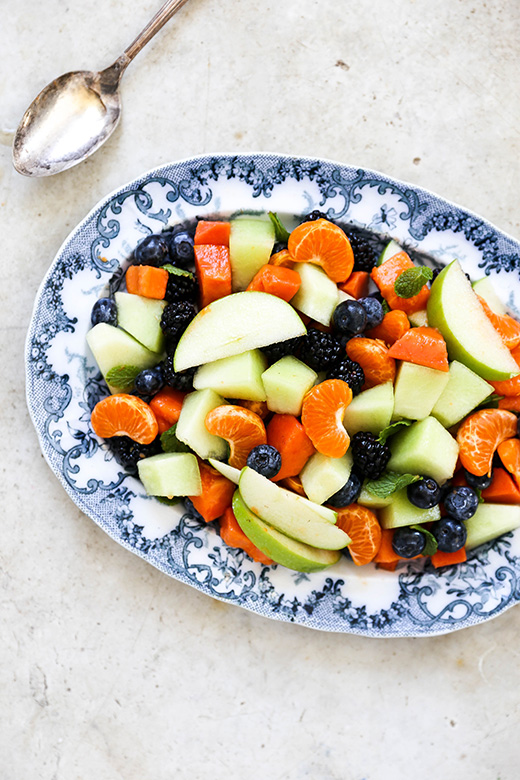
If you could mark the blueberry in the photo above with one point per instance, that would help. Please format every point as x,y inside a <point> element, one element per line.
<point>266,460</point>
<point>104,310</point>
<point>461,503</point>
<point>479,483</point>
<point>149,381</point>
<point>377,296</point>
<point>408,542</point>
<point>279,247</point>
<point>424,494</point>
<point>152,250</point>
<point>450,534</point>
<point>180,245</point>
<point>374,311</point>
<point>348,493</point>
<point>314,215</point>
<point>349,317</point>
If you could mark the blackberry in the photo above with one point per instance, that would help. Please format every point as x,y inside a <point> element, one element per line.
<point>152,250</point>
<point>320,350</point>
<point>104,310</point>
<point>179,380</point>
<point>266,460</point>
<point>350,372</point>
<point>364,254</point>
<point>314,215</point>
<point>182,287</point>
<point>274,352</point>
<point>128,452</point>
<point>370,455</point>
<point>176,317</point>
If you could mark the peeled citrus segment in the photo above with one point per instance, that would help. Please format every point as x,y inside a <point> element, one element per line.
<point>479,436</point>
<point>325,244</point>
<point>372,355</point>
<point>322,417</point>
<point>124,415</point>
<point>507,328</point>
<point>362,525</point>
<point>241,428</point>
<point>509,454</point>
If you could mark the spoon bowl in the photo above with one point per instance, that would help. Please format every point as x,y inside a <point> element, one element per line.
<point>76,113</point>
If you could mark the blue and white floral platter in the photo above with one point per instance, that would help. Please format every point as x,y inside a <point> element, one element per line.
<point>63,385</point>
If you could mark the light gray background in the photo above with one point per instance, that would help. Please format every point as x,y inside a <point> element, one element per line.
<point>109,669</point>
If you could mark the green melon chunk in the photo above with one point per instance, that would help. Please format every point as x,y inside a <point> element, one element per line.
<point>114,347</point>
<point>251,242</point>
<point>323,476</point>
<point>455,310</point>
<point>141,317</point>
<point>416,390</point>
<point>238,376</point>
<point>491,521</point>
<point>465,390</point>
<point>425,448</point>
<point>191,428</point>
<point>170,474</point>
<point>485,289</point>
<point>277,545</point>
<point>318,295</point>
<point>372,502</point>
<point>286,382</point>
<point>401,512</point>
<point>419,319</point>
<point>371,410</point>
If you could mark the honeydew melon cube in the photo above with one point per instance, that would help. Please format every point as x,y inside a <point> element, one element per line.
<point>464,391</point>
<point>113,347</point>
<point>286,382</point>
<point>170,474</point>
<point>191,427</point>
<point>318,295</point>
<point>419,319</point>
<point>323,476</point>
<point>371,410</point>
<point>238,376</point>
<point>425,448</point>
<point>251,242</point>
<point>491,521</point>
<point>417,388</point>
<point>141,317</point>
<point>372,502</point>
<point>402,512</point>
<point>485,289</point>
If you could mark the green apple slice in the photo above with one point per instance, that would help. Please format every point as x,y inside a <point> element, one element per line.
<point>234,324</point>
<point>391,249</point>
<point>455,310</point>
<point>230,472</point>
<point>291,514</point>
<point>281,548</point>
<point>485,289</point>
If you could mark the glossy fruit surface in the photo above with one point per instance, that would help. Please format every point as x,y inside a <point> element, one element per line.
<point>372,356</point>
<point>325,244</point>
<point>450,534</point>
<point>424,494</point>
<point>362,525</point>
<point>124,415</point>
<point>104,310</point>
<point>461,503</point>
<point>408,542</point>
<point>479,436</point>
<point>322,417</point>
<point>242,429</point>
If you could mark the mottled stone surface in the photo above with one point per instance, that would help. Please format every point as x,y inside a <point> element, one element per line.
<point>109,669</point>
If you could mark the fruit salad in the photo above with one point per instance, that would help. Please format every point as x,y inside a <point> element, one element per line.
<point>311,395</point>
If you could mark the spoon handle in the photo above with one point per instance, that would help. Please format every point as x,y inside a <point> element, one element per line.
<point>154,25</point>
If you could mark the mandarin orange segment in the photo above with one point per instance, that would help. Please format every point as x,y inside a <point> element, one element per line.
<point>362,525</point>
<point>323,410</point>
<point>241,428</point>
<point>282,258</point>
<point>395,324</point>
<point>325,244</point>
<point>372,355</point>
<point>122,414</point>
<point>479,436</point>
<point>509,454</point>
<point>258,407</point>
<point>507,328</point>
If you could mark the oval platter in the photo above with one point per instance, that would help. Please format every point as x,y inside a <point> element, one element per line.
<point>63,385</point>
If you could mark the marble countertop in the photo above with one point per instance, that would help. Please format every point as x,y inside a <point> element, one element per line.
<point>108,668</point>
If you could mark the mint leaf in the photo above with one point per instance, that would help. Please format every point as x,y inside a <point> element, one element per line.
<point>386,307</point>
<point>122,377</point>
<point>478,491</point>
<point>393,428</point>
<point>491,402</point>
<point>431,541</point>
<point>280,233</point>
<point>170,442</point>
<point>389,483</point>
<point>168,501</point>
<point>172,269</point>
<point>411,281</point>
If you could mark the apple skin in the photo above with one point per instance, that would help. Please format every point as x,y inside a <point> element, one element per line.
<point>455,310</point>
<point>280,548</point>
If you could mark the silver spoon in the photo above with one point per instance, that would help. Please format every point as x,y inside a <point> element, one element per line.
<point>76,113</point>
